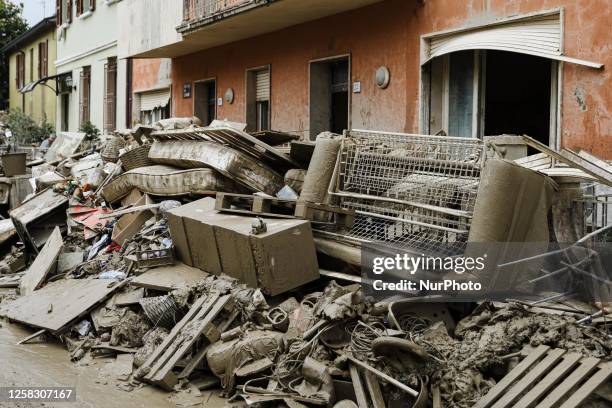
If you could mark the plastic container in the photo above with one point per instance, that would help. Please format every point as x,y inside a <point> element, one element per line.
<point>14,164</point>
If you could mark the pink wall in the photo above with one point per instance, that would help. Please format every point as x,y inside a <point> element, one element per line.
<point>388,33</point>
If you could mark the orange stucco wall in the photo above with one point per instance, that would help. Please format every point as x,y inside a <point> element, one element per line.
<point>388,33</point>
<point>147,74</point>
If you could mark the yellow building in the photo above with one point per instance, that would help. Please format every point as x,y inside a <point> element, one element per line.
<point>32,80</point>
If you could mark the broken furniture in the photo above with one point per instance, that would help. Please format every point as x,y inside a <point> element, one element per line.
<point>547,378</point>
<point>36,218</point>
<point>14,190</point>
<point>208,317</point>
<point>166,180</point>
<point>225,243</point>
<point>65,145</point>
<point>430,194</point>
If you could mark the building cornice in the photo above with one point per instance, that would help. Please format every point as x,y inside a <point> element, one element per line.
<point>76,57</point>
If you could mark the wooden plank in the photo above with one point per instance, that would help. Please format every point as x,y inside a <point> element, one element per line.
<point>195,308</point>
<point>530,378</point>
<point>360,395</point>
<point>31,336</point>
<point>588,387</point>
<point>544,386</point>
<point>59,303</point>
<point>586,366</point>
<point>374,390</point>
<point>44,263</point>
<point>505,383</point>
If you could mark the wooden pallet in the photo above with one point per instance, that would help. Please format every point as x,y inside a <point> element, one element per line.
<point>189,340</point>
<point>255,205</point>
<point>548,378</point>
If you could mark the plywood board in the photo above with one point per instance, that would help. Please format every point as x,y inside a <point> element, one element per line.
<point>59,303</point>
<point>44,263</point>
<point>170,277</point>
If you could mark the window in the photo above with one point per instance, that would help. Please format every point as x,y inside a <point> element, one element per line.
<point>63,12</point>
<point>110,95</point>
<point>84,6</point>
<point>43,59</point>
<point>84,95</point>
<point>476,93</point>
<point>258,99</point>
<point>20,70</point>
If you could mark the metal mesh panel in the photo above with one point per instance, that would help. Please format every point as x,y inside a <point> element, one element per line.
<point>409,190</point>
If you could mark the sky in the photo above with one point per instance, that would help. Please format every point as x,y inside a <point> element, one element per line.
<point>36,10</point>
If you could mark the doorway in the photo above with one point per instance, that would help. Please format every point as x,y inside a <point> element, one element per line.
<point>518,94</point>
<point>329,95</point>
<point>65,101</point>
<point>476,93</point>
<point>205,101</point>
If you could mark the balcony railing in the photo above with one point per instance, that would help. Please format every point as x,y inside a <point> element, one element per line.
<point>194,10</point>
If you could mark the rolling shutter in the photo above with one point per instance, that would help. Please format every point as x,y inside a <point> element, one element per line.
<point>262,85</point>
<point>154,99</point>
<point>539,36</point>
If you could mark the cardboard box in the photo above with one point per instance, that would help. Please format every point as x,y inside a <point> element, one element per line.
<point>276,261</point>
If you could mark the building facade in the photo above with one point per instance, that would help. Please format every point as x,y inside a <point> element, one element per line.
<point>31,59</point>
<point>94,79</point>
<point>463,68</point>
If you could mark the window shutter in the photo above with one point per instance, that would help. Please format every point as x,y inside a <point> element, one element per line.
<point>262,85</point>
<point>92,4</point>
<point>46,61</point>
<point>110,95</point>
<point>58,12</point>
<point>69,10</point>
<point>79,7</point>
<point>40,59</point>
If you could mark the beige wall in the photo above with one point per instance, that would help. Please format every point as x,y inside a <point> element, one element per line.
<point>41,102</point>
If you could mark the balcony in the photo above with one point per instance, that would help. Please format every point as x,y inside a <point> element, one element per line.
<point>168,29</point>
<point>195,11</point>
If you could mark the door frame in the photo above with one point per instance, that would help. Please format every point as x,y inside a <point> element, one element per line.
<point>193,102</point>
<point>348,56</point>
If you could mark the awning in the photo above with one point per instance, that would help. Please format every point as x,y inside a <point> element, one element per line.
<point>30,87</point>
<point>537,35</point>
<point>154,99</point>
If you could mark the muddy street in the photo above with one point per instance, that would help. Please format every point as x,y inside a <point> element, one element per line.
<point>48,364</point>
